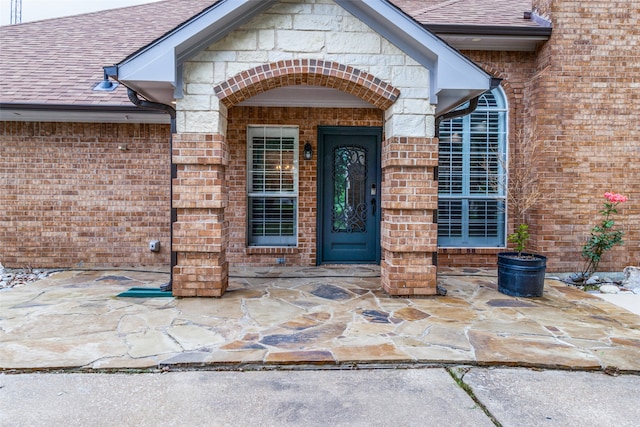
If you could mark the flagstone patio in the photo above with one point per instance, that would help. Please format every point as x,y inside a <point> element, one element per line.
<point>331,316</point>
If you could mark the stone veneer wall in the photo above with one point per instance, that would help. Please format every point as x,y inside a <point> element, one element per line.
<point>71,198</point>
<point>298,34</point>
<point>308,30</point>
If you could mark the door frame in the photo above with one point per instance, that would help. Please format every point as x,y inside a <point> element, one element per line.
<point>321,179</point>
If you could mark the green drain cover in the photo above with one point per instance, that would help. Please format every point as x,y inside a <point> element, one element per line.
<point>145,293</point>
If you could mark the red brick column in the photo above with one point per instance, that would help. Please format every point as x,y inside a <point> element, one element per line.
<point>200,233</point>
<point>409,203</point>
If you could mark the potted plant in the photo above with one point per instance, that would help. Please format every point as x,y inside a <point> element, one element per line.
<point>520,273</point>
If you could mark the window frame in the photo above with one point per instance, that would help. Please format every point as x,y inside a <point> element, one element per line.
<point>280,179</point>
<point>461,192</point>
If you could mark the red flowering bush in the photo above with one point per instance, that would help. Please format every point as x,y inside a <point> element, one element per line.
<point>603,236</point>
<point>615,198</point>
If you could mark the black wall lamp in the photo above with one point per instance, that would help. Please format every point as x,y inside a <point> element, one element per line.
<point>308,151</point>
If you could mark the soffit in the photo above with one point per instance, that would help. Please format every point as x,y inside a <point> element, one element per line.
<point>306,96</point>
<point>65,113</point>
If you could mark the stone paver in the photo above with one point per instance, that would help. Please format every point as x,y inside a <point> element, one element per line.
<point>326,315</point>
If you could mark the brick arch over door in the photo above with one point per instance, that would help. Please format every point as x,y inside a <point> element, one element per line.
<point>309,72</point>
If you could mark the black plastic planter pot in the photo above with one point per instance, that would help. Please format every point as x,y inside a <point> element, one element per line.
<point>521,276</point>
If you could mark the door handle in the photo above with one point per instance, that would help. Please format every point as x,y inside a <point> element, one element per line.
<point>373,199</point>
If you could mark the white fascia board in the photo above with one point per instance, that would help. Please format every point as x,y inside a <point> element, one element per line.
<point>450,71</point>
<point>159,61</point>
<point>153,65</point>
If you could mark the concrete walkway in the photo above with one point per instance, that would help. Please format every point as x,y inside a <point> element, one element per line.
<point>334,317</point>
<point>512,397</point>
<point>630,302</point>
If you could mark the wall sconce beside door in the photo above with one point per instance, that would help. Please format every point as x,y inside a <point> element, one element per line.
<point>308,151</point>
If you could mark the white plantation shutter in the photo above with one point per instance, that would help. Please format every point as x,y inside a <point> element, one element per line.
<point>272,185</point>
<point>471,200</point>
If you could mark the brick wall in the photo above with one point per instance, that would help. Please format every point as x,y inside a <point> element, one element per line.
<point>200,232</point>
<point>585,98</point>
<point>409,235</point>
<point>308,120</point>
<point>70,197</point>
<point>578,95</point>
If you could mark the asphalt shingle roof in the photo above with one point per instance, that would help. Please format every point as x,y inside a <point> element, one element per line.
<point>59,61</point>
<point>468,12</point>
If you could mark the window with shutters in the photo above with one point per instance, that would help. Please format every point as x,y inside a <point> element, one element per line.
<point>272,185</point>
<point>471,199</point>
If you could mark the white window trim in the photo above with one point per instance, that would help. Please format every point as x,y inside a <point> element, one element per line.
<point>273,131</point>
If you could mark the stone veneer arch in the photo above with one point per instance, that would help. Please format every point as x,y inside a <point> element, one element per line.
<point>310,72</point>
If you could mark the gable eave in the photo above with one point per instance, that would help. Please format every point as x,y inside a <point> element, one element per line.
<point>153,70</point>
<point>453,76</point>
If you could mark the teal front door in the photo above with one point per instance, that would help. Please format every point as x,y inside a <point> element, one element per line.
<point>349,194</point>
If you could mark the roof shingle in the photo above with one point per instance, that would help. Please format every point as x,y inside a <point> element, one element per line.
<point>468,12</point>
<point>59,61</point>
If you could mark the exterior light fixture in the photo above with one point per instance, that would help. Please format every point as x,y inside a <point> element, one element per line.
<point>308,151</point>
